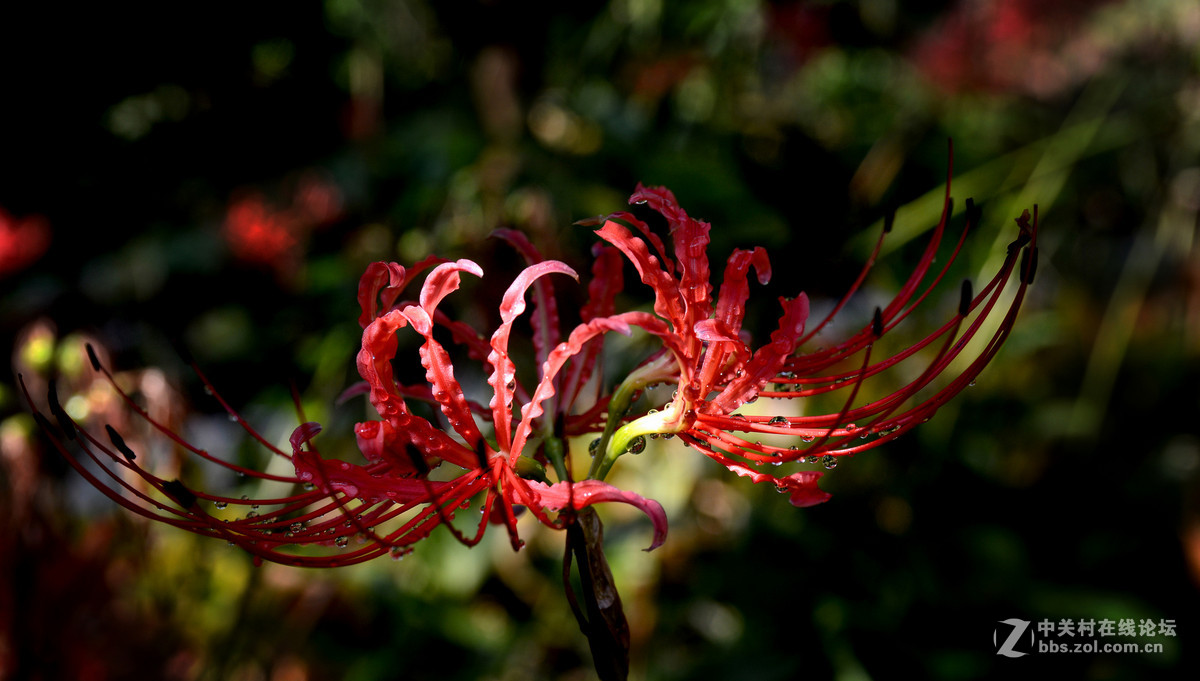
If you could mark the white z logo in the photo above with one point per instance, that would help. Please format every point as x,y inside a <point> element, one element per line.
<point>1018,628</point>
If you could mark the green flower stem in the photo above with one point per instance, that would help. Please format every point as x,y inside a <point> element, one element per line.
<point>660,369</point>
<point>555,450</point>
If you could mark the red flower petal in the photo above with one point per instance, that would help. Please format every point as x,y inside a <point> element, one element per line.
<point>587,492</point>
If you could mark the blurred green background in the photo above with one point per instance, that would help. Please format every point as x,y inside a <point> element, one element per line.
<point>221,172</point>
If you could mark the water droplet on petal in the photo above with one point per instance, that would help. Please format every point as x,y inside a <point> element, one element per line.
<point>638,445</point>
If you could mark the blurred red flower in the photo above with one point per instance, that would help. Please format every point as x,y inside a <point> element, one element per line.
<point>22,241</point>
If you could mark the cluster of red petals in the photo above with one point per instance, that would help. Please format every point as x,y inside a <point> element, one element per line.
<point>417,474</point>
<point>1011,45</point>
<point>259,232</point>
<point>22,241</point>
<point>717,371</point>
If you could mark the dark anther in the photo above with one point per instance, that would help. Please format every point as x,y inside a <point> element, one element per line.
<point>1029,265</point>
<point>964,299</point>
<point>1019,243</point>
<point>119,442</point>
<point>418,461</point>
<point>877,323</point>
<point>560,424</point>
<point>91,352</point>
<point>181,494</point>
<point>60,414</point>
<point>889,220</point>
<point>42,423</point>
<point>974,213</point>
<point>481,452</point>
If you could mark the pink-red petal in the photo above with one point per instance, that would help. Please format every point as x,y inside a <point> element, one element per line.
<point>579,495</point>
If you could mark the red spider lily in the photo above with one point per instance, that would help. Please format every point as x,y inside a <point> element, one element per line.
<point>262,233</point>
<point>258,233</point>
<point>390,502</point>
<point>22,241</point>
<point>716,370</point>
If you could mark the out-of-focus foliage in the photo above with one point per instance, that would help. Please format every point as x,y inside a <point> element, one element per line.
<point>221,172</point>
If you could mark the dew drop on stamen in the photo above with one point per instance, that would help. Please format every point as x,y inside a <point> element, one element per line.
<point>342,541</point>
<point>221,504</point>
<point>779,421</point>
<point>808,438</point>
<point>829,461</point>
<point>593,446</point>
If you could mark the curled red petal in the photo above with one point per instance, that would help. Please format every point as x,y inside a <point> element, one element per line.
<point>503,378</point>
<point>587,492</point>
<point>544,321</point>
<point>376,277</point>
<point>768,359</point>
<point>439,371</point>
<point>554,363</point>
<point>387,279</point>
<point>690,238</point>
<point>303,433</point>
<point>735,289</point>
<point>668,303</point>
<point>802,489</point>
<point>713,330</point>
<point>443,280</point>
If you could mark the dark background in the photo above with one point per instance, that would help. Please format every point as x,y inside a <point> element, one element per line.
<point>1062,486</point>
